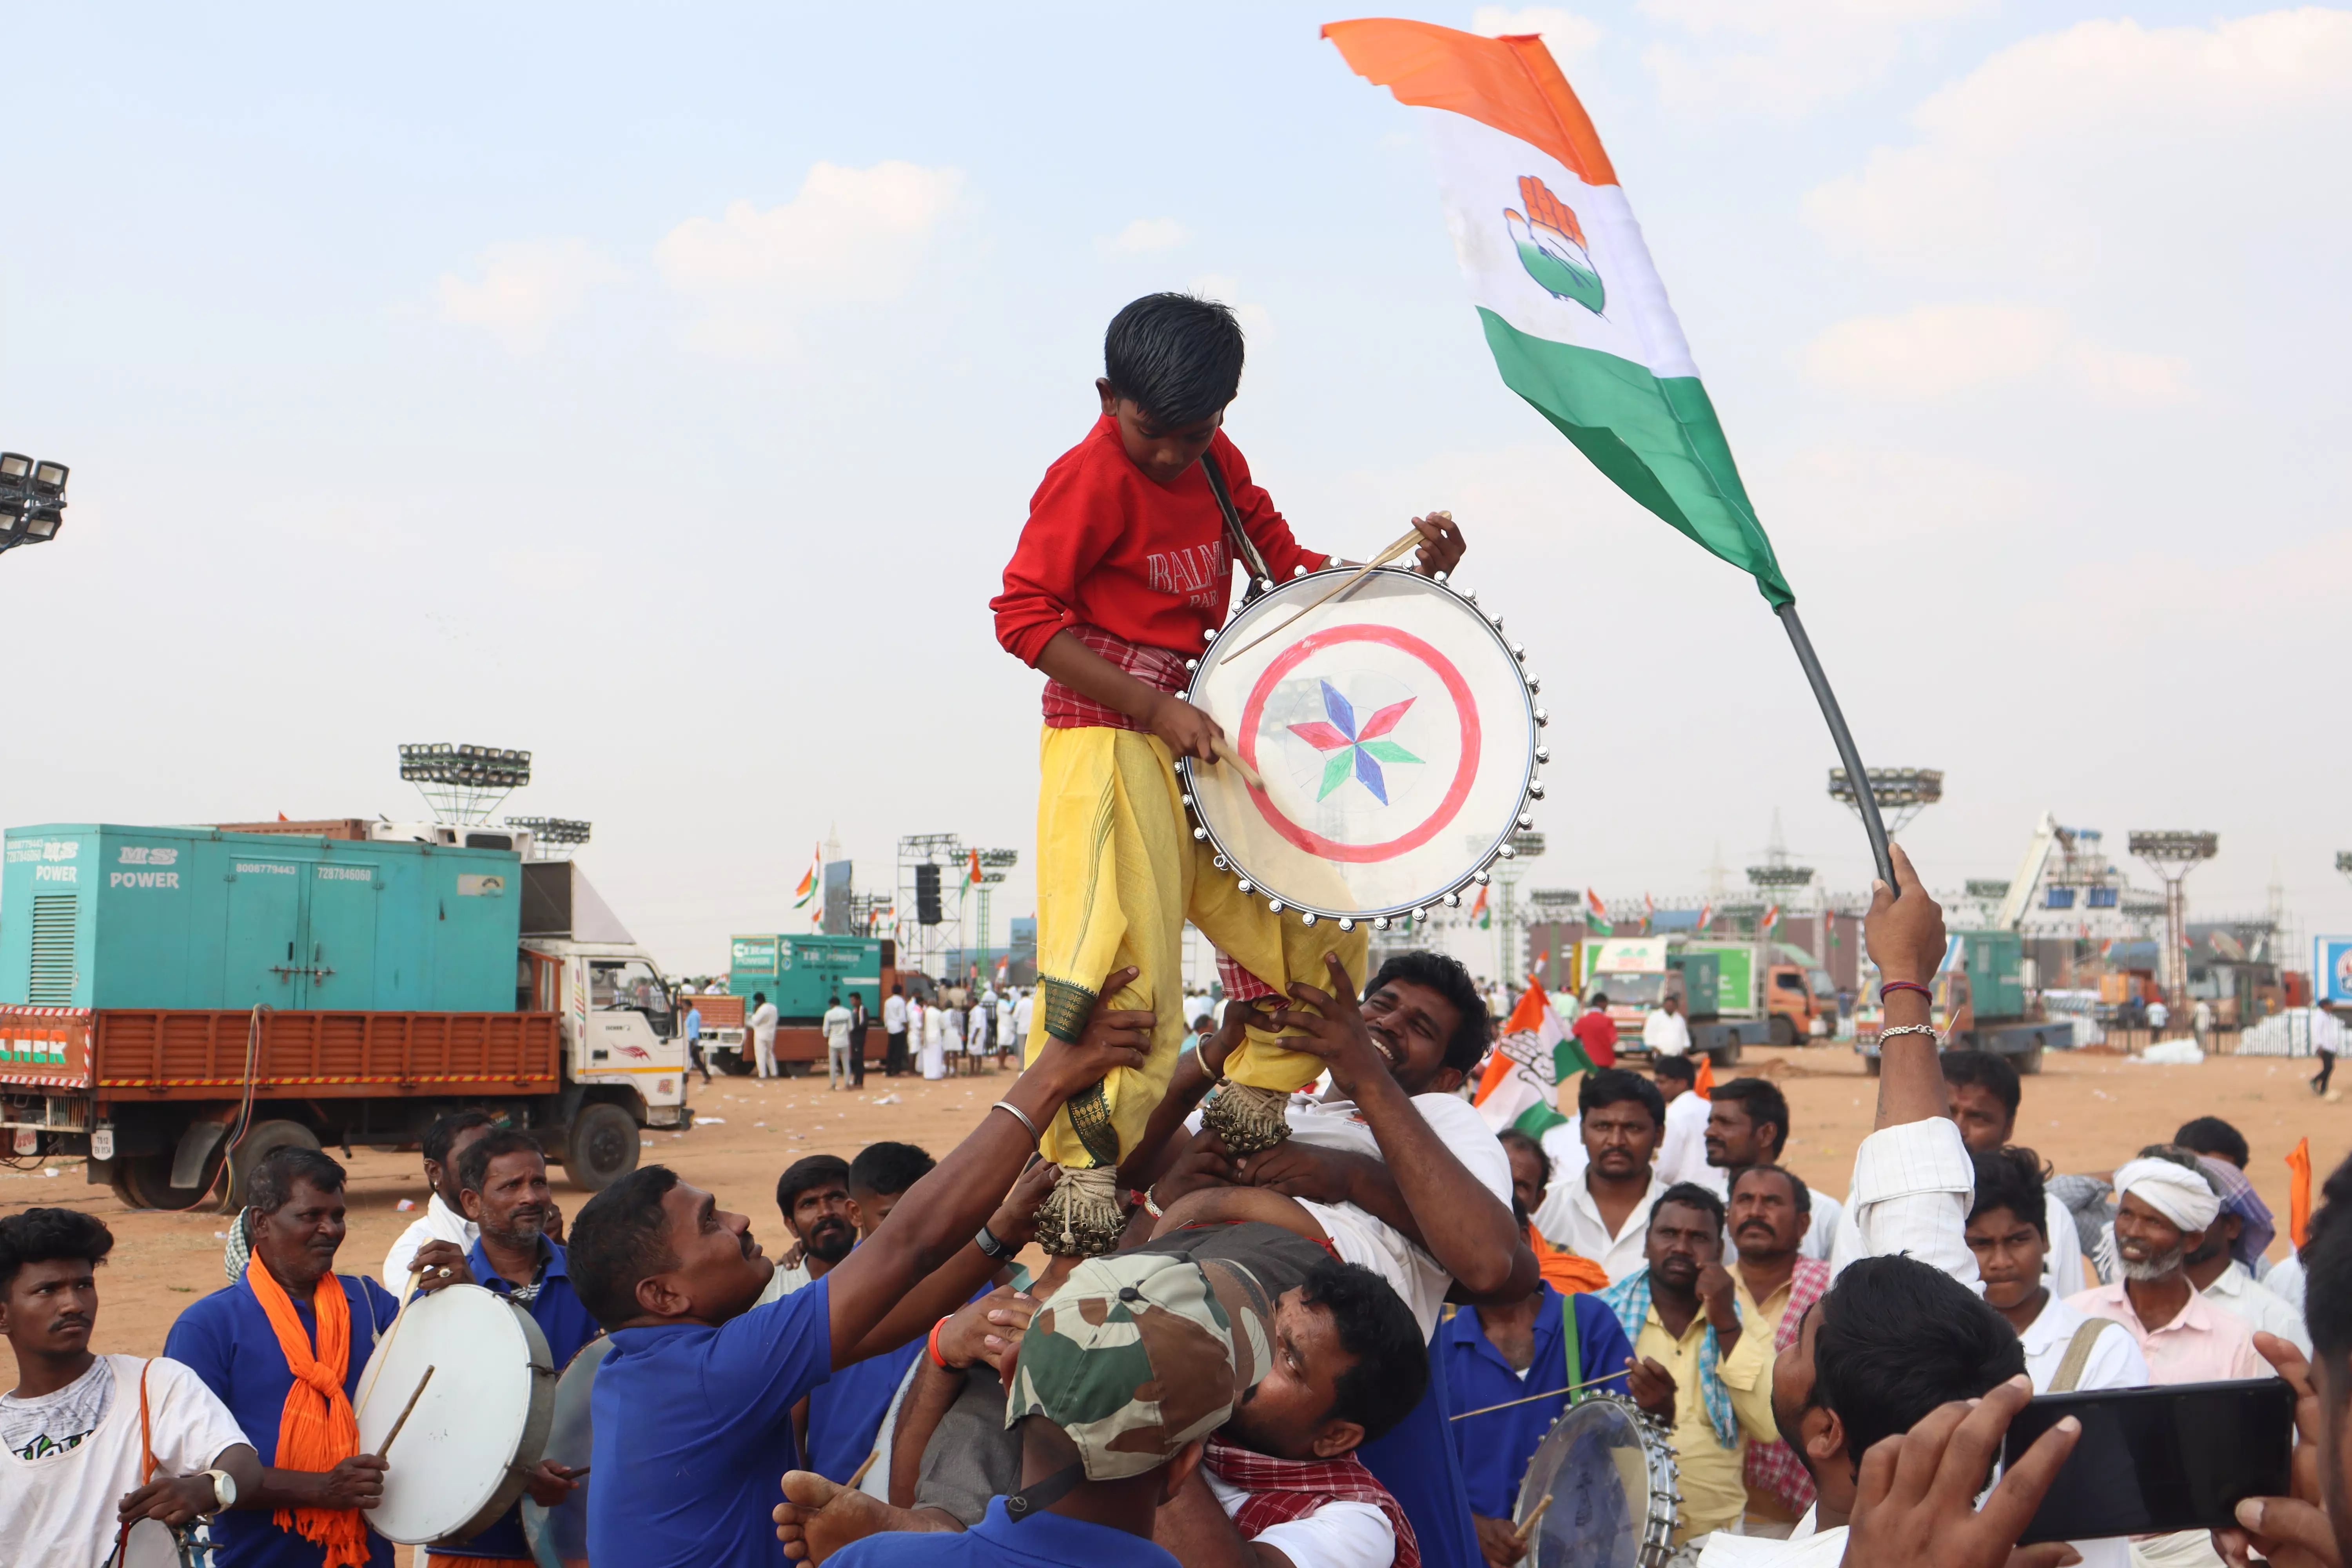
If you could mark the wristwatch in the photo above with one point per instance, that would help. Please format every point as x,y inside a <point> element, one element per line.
<point>223,1491</point>
<point>995,1251</point>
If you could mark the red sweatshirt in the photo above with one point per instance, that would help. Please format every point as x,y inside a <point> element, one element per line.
<point>1105,546</point>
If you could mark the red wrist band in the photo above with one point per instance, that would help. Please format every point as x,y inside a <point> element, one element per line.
<point>1903,986</point>
<point>933,1344</point>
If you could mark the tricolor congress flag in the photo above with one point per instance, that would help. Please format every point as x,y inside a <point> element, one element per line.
<point>1514,1091</point>
<point>1571,305</point>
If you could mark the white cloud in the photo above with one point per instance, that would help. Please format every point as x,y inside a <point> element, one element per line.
<point>1937,351</point>
<point>525,287</point>
<point>861,235</point>
<point>2117,152</point>
<point>1143,236</point>
<point>1783,57</point>
<point>1569,36</point>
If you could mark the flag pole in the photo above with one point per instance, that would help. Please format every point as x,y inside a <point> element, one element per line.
<point>1864,800</point>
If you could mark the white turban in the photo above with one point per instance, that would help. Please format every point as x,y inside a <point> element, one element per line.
<point>2180,1194</point>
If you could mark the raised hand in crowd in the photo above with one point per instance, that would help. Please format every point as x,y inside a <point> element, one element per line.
<point>1014,1223</point>
<point>441,1264</point>
<point>1652,1386</point>
<point>1914,1498</point>
<point>2292,1531</point>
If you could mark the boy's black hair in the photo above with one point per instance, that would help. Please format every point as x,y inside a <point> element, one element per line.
<point>474,1164</point>
<point>45,1235</point>
<point>1375,1326</point>
<point>2011,1179</point>
<point>1444,974</point>
<point>2212,1135</point>
<point>617,1240</point>
<point>2327,1254</point>
<point>1987,1071</point>
<point>443,1132</point>
<point>1176,357</point>
<point>1799,1193</point>
<point>814,1170</point>
<point>885,1170</point>
<point>1615,1086</point>
<point>274,1178</point>
<point>1763,1101</point>
<point>1682,1067</point>
<point>1691,1195</point>
<point>1899,1338</point>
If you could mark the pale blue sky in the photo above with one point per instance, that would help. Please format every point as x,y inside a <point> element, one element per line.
<point>419,384</point>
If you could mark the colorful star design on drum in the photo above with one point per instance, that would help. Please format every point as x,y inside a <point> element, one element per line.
<point>1359,751</point>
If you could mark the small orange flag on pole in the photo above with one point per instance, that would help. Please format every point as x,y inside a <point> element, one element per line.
<point>2298,1193</point>
<point>1705,1085</point>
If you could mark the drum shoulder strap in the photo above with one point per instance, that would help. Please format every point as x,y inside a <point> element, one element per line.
<point>1572,1351</point>
<point>146,1429</point>
<point>2078,1355</point>
<point>1245,553</point>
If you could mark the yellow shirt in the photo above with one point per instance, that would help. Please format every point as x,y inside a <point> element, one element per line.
<point>1713,1496</point>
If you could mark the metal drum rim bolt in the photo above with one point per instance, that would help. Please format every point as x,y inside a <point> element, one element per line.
<point>1381,917</point>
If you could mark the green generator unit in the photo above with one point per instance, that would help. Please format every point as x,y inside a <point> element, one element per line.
<point>1702,982</point>
<point>182,918</point>
<point>801,974</point>
<point>1995,961</point>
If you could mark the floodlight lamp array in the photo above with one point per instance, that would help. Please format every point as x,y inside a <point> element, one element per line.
<point>1000,857</point>
<point>552,829</point>
<point>32,499</point>
<point>1779,876</point>
<point>2174,846</point>
<point>2344,861</point>
<point>466,767</point>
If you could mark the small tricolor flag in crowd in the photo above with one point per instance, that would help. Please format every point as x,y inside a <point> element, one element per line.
<point>1649,913</point>
<point>1570,303</point>
<point>1704,1084</point>
<point>1706,917</point>
<point>1511,1092</point>
<point>810,894</point>
<point>1478,913</point>
<point>1771,922</point>
<point>970,877</point>
<point>1596,914</point>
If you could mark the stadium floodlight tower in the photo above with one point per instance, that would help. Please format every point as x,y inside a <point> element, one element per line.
<point>2344,862</point>
<point>464,784</point>
<point>2172,856</point>
<point>548,833</point>
<point>1903,792</point>
<point>998,860</point>
<point>32,499</point>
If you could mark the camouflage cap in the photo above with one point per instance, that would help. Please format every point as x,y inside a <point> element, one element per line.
<point>1138,1355</point>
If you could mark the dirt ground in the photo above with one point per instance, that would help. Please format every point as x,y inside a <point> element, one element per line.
<point>2086,1112</point>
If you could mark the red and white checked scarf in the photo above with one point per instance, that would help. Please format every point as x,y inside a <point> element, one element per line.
<point>1774,1466</point>
<point>1283,1489</point>
<point>1157,668</point>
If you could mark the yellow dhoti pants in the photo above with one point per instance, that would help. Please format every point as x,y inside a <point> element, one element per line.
<point>1119,873</point>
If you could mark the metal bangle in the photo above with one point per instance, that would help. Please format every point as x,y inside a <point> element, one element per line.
<point>1019,1115</point>
<point>1152,1205</point>
<point>1928,1029</point>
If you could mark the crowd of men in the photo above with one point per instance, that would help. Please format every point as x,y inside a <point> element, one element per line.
<point>1338,1353</point>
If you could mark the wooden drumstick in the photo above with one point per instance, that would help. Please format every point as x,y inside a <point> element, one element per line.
<point>1225,753</point>
<point>862,1469</point>
<point>385,1343</point>
<point>1412,537</point>
<point>1521,1534</point>
<point>385,1446</point>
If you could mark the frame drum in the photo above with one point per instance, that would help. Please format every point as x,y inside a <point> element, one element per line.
<point>1605,1477</point>
<point>1397,734</point>
<point>559,1535</point>
<point>460,1460</point>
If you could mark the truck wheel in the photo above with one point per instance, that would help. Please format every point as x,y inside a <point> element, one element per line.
<point>2030,1062</point>
<point>1727,1055</point>
<point>265,1140</point>
<point>735,1064</point>
<point>1870,1066</point>
<point>144,1181</point>
<point>603,1147</point>
<point>1784,1030</point>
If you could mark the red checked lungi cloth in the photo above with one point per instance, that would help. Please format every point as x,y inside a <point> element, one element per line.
<point>1774,1466</point>
<point>1283,1489</point>
<point>1119,876</point>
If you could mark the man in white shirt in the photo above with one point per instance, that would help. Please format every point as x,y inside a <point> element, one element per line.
<point>1665,1032</point>
<point>763,1033</point>
<point>836,1026</point>
<point>1021,1013</point>
<point>894,1031</point>
<point>1748,1124</point>
<point>1603,1213</point>
<point>77,1429</point>
<point>1682,1152</point>
<point>1986,1094</point>
<point>443,1219</point>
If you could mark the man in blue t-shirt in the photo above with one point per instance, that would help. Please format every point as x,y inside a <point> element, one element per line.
<point>227,1340</point>
<point>1097,1459</point>
<point>502,1187</point>
<point>693,1406</point>
<point>845,1414</point>
<point>1497,1356</point>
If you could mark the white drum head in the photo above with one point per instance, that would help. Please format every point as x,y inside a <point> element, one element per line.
<point>151,1545</point>
<point>559,1535</point>
<point>1395,732</point>
<point>459,1461</point>
<point>1604,1478</point>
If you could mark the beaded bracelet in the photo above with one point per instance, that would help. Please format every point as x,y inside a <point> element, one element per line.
<point>1903,986</point>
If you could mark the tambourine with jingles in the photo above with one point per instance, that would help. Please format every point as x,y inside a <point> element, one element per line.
<point>1601,1490</point>
<point>1396,733</point>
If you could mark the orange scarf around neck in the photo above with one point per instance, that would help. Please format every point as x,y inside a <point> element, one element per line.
<point>316,1430</point>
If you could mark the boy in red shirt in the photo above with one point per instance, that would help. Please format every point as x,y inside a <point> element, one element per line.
<point>1124,569</point>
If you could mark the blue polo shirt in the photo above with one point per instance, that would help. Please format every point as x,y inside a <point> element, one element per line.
<point>1415,1460</point>
<point>1042,1539</point>
<point>694,1434</point>
<point>1495,1448</point>
<point>568,1326</point>
<point>226,1339</point>
<point>844,1415</point>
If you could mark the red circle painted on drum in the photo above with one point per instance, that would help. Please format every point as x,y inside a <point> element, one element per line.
<point>1465,713</point>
